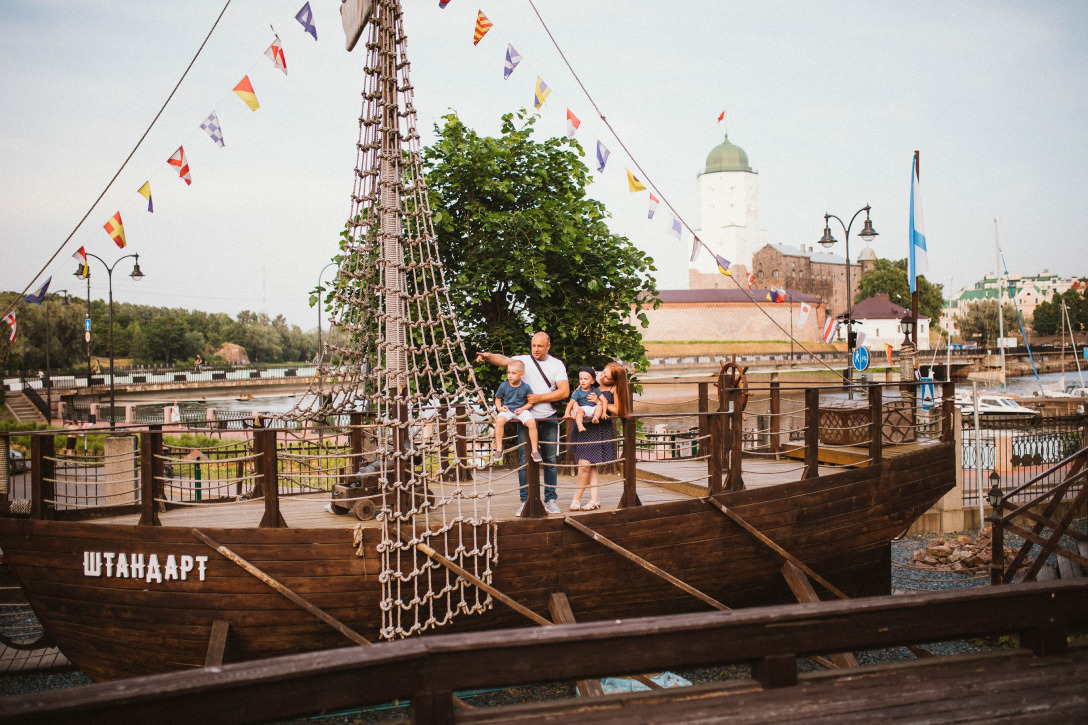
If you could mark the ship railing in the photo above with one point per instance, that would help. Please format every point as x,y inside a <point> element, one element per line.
<point>750,434</point>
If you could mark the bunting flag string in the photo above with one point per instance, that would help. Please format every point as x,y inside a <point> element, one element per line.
<point>178,161</point>
<point>116,230</point>
<point>38,296</point>
<point>749,278</point>
<point>512,60</point>
<point>244,89</point>
<point>482,26</point>
<point>723,264</point>
<point>10,319</point>
<point>145,192</point>
<point>602,157</point>
<point>695,246</point>
<point>443,3</point>
<point>213,129</point>
<point>633,184</point>
<point>306,17</point>
<point>541,93</point>
<point>572,124</point>
<point>888,353</point>
<point>861,339</point>
<point>654,201</point>
<point>275,53</point>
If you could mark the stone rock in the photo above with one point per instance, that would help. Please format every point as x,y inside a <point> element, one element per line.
<point>938,551</point>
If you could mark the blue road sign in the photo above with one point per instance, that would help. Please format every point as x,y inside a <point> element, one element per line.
<point>861,359</point>
<point>87,324</point>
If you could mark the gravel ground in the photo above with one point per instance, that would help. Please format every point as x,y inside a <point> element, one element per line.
<point>904,576</point>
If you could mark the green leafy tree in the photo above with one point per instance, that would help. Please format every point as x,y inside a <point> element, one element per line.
<point>1047,319</point>
<point>890,277</point>
<point>981,319</point>
<point>525,249</point>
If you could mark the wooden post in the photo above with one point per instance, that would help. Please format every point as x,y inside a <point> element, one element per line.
<point>5,472</point>
<point>559,607</point>
<point>355,442</point>
<point>434,707</point>
<point>151,471</point>
<point>948,407</point>
<point>997,544</point>
<point>876,424</point>
<point>776,412</point>
<point>534,508</point>
<point>736,450</point>
<point>42,475</point>
<point>264,442</point>
<point>460,442</point>
<point>812,433</point>
<point>629,497</point>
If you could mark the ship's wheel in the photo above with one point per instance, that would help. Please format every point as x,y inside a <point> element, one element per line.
<point>731,375</point>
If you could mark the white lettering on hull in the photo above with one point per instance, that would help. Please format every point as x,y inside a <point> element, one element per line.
<point>134,566</point>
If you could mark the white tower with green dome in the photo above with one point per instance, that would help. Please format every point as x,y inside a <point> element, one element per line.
<point>728,215</point>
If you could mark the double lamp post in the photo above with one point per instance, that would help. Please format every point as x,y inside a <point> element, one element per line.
<point>827,241</point>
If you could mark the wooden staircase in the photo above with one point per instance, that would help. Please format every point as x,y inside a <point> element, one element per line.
<point>23,410</point>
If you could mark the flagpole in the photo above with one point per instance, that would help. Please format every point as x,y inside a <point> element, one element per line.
<point>914,294</point>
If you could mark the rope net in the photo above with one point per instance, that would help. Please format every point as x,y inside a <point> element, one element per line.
<point>394,352</point>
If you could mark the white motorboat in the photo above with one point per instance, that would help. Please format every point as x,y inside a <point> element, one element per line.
<point>993,405</point>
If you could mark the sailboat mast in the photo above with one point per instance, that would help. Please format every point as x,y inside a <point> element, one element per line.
<point>1000,312</point>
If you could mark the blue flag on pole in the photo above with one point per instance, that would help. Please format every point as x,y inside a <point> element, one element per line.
<point>602,156</point>
<point>38,295</point>
<point>306,17</point>
<point>919,262</point>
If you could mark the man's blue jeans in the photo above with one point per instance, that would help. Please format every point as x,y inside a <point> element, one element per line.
<point>548,433</point>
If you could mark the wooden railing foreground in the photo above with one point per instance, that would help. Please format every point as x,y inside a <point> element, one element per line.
<point>427,671</point>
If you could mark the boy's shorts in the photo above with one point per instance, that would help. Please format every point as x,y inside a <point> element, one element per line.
<point>588,409</point>
<point>507,415</point>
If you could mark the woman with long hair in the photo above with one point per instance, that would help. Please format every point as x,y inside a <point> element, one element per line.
<point>594,446</point>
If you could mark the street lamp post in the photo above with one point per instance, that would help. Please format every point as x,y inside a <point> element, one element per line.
<point>319,290</point>
<point>827,241</point>
<point>49,343</point>
<point>137,275</point>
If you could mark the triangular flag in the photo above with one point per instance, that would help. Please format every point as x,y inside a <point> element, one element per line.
<point>38,296</point>
<point>116,230</point>
<point>602,156</point>
<point>244,89</point>
<point>145,192</point>
<point>178,161</point>
<point>633,183</point>
<point>721,116</point>
<point>776,295</point>
<point>443,3</point>
<point>306,17</point>
<point>723,264</point>
<point>674,230</point>
<point>654,201</point>
<point>888,352</point>
<point>831,326</point>
<point>541,93</point>
<point>81,257</point>
<point>802,316</point>
<point>861,339</point>
<point>275,52</point>
<point>10,319</point>
<point>696,245</point>
<point>512,60</point>
<point>213,129</point>
<point>749,279</point>
<point>572,124</point>
<point>482,26</point>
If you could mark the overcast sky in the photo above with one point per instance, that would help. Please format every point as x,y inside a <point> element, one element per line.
<point>829,100</point>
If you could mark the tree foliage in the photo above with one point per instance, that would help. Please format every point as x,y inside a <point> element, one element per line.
<point>890,277</point>
<point>525,249</point>
<point>981,318</point>
<point>1047,319</point>
<point>147,335</point>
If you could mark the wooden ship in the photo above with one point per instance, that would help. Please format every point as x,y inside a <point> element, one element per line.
<point>152,559</point>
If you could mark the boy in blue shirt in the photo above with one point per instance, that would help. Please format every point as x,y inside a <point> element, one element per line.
<point>579,406</point>
<point>512,401</point>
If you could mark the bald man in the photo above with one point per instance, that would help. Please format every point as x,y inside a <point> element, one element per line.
<point>547,378</point>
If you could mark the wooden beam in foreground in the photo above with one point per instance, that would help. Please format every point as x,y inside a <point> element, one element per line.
<point>802,589</point>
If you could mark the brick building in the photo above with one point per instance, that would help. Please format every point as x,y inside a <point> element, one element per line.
<point>819,274</point>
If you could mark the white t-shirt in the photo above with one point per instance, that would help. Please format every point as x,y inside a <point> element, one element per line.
<point>555,370</point>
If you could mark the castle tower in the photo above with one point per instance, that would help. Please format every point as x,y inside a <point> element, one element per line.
<point>728,192</point>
